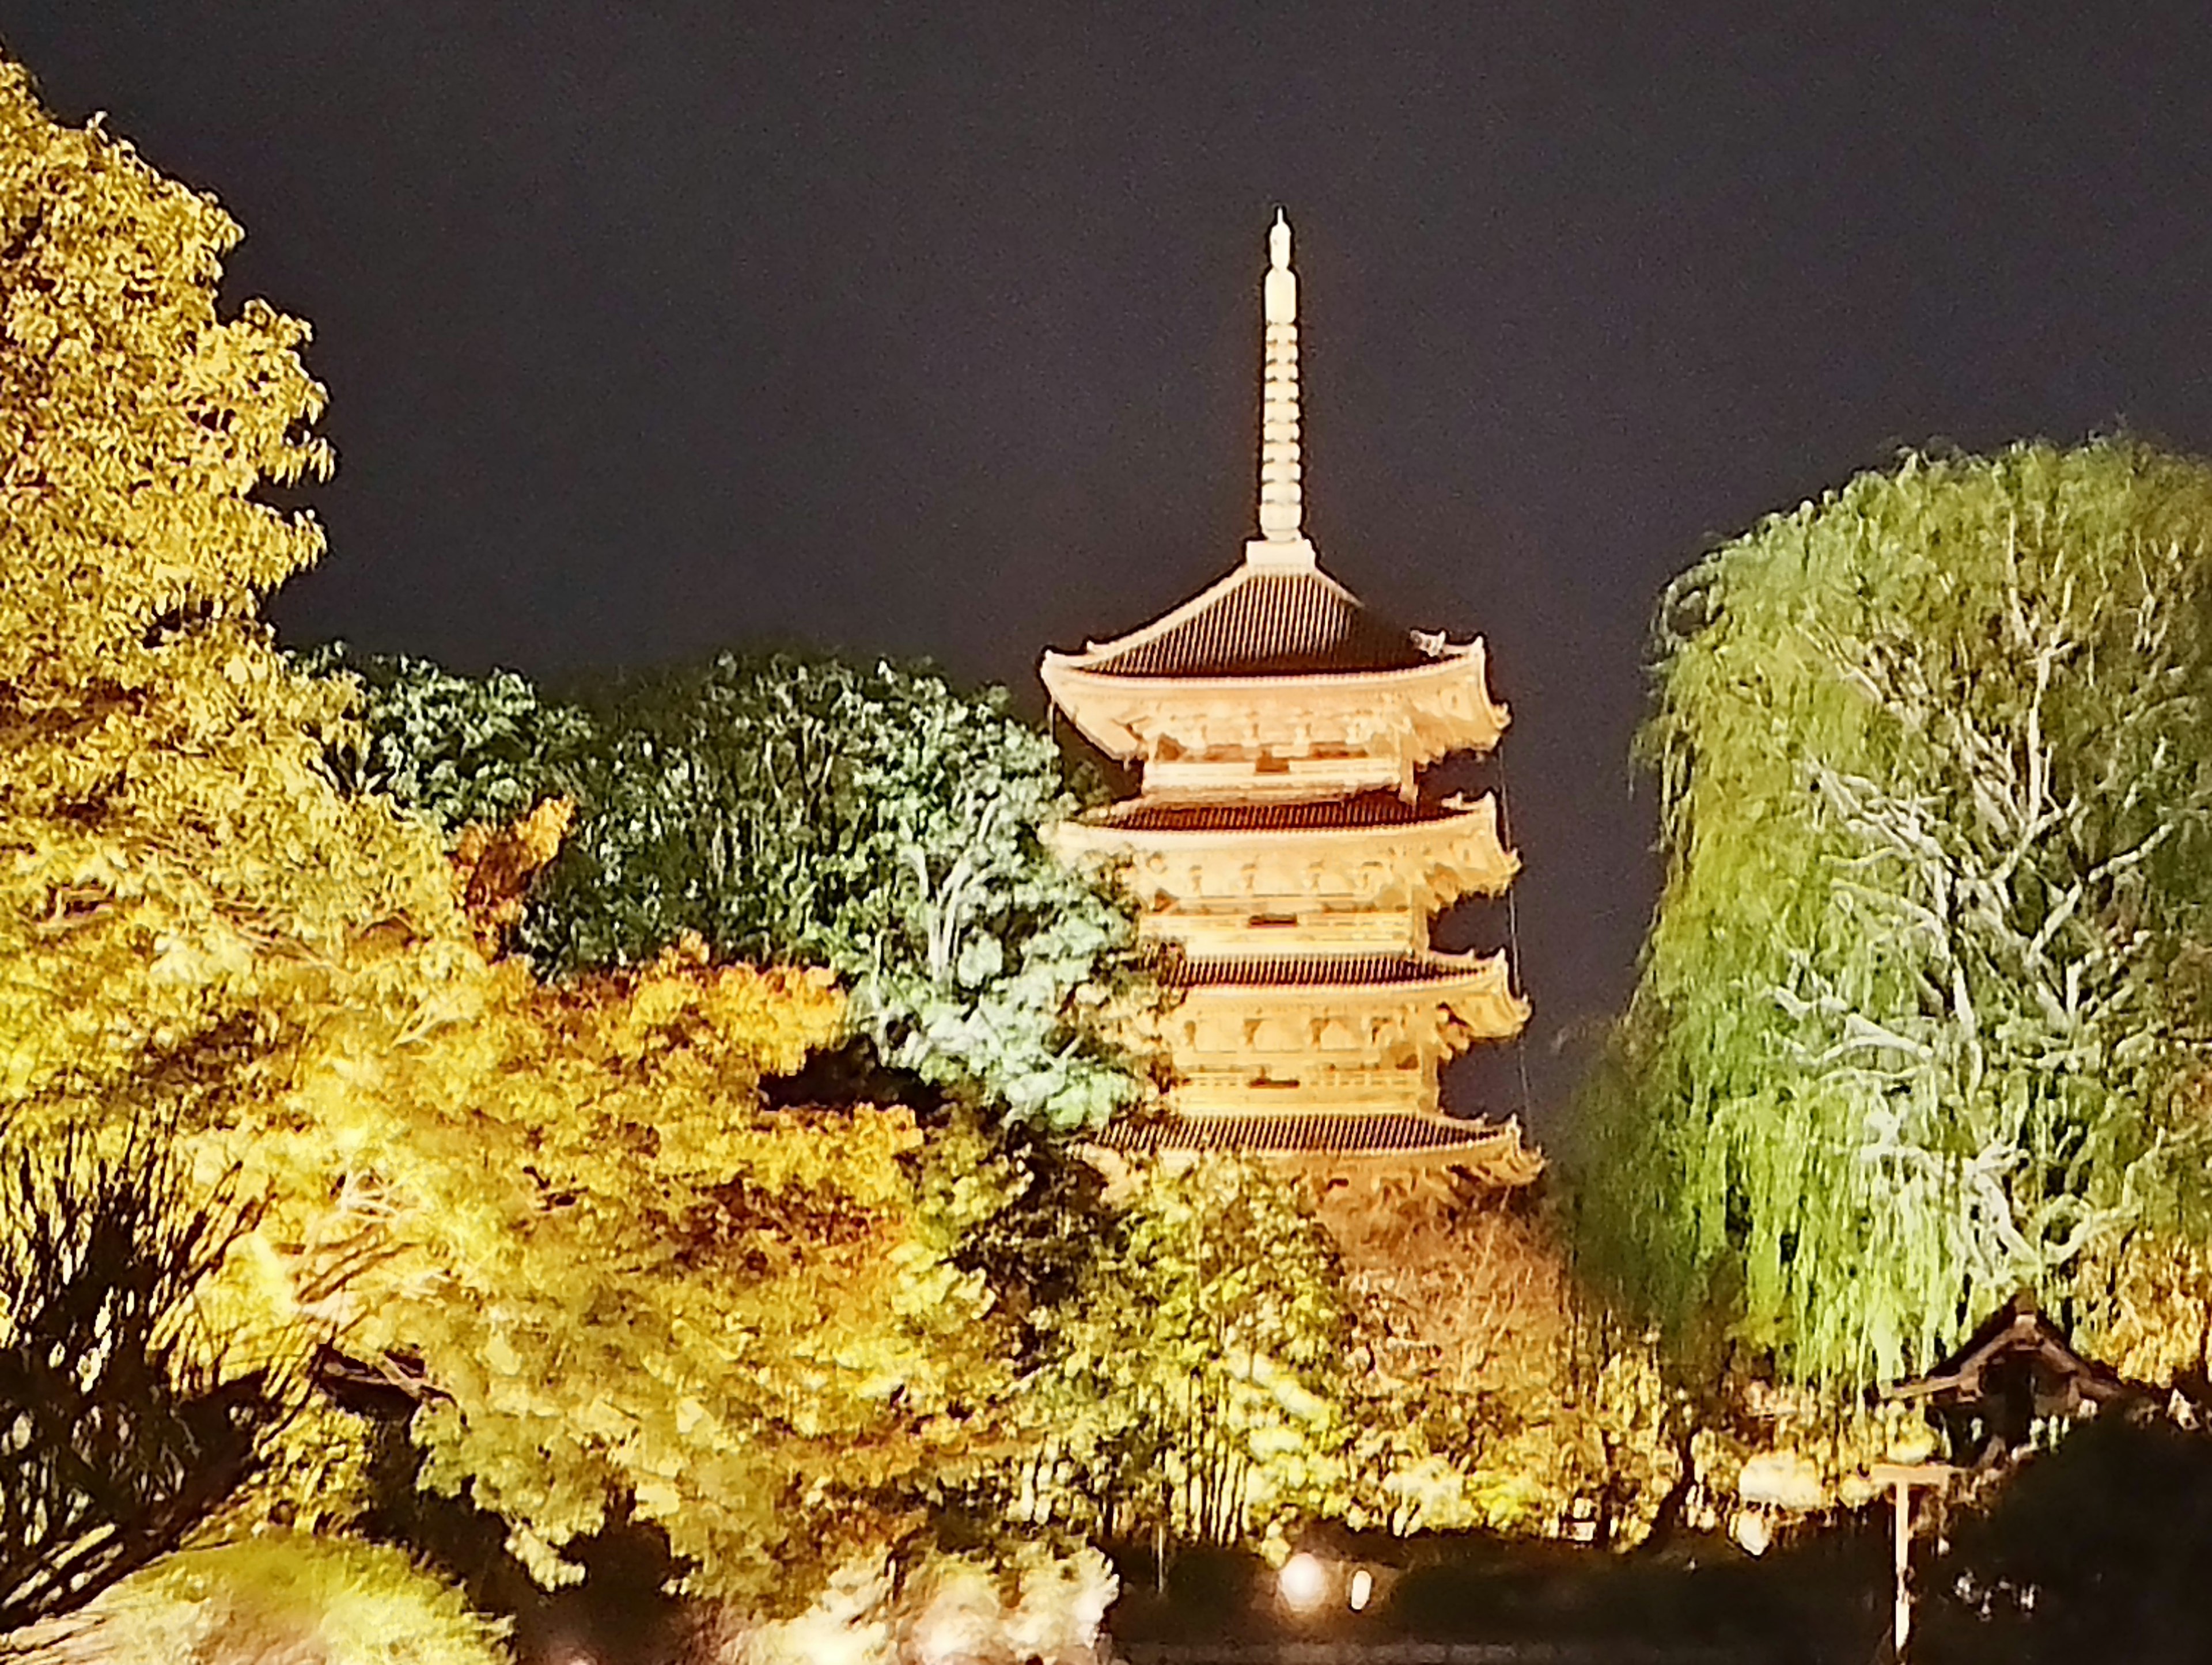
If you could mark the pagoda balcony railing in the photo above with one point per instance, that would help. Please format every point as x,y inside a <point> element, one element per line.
<point>1280,930</point>
<point>1256,778</point>
<point>1278,1091</point>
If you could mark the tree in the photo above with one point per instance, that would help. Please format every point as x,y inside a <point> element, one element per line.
<point>1491,1391</point>
<point>180,883</point>
<point>184,895</point>
<point>284,1595</point>
<point>1926,994</point>
<point>562,1214</point>
<point>1190,1385</point>
<point>874,821</point>
<point>744,1326</point>
<point>193,920</point>
<point>124,1427</point>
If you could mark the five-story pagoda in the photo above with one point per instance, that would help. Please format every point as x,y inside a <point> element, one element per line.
<point>1285,858</point>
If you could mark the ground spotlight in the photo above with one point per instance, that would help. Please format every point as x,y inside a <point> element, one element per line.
<point>1303,1582</point>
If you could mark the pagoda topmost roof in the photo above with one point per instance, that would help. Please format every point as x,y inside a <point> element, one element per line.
<point>1263,621</point>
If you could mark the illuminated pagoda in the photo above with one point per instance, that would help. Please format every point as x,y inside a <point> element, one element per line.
<point>1285,858</point>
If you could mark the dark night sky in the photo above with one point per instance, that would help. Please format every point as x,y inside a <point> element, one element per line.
<point>931,330</point>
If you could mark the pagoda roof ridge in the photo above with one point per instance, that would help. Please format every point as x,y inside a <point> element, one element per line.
<point>1263,622</point>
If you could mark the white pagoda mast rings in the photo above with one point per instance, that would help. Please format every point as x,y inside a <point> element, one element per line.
<point>1282,544</point>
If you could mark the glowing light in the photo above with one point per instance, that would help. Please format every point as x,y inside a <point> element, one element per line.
<point>1303,1582</point>
<point>1363,1586</point>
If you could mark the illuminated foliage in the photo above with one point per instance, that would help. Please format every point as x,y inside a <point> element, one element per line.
<point>121,1431</point>
<point>1030,1605</point>
<point>873,821</point>
<point>285,1597</point>
<point>1491,1392</point>
<point>560,1215</point>
<point>180,883</point>
<point>1189,1385</point>
<point>563,1214</point>
<point>1928,969</point>
<point>747,1322</point>
<point>184,899</point>
<point>1227,1363</point>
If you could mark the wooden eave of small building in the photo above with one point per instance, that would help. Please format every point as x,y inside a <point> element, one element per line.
<point>1454,840</point>
<point>2016,1368</point>
<point>2017,1332</point>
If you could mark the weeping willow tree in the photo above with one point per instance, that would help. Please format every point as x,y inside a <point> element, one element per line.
<point>1921,1019</point>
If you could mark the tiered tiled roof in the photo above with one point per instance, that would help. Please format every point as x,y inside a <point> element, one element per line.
<point>1491,1149</point>
<point>1366,809</point>
<point>1276,717</point>
<point>1176,969</point>
<point>1257,623</point>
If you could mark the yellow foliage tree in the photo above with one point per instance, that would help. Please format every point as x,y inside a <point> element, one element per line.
<point>1494,1392</point>
<point>747,1323</point>
<point>282,1597</point>
<point>1190,1388</point>
<point>182,889</point>
<point>621,1276</point>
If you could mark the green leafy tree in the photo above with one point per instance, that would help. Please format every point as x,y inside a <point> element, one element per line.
<point>1925,987</point>
<point>1192,1385</point>
<point>875,821</point>
<point>467,750</point>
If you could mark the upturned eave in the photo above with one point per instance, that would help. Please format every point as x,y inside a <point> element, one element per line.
<point>1452,851</point>
<point>1494,1152</point>
<point>1471,996</point>
<point>1124,717</point>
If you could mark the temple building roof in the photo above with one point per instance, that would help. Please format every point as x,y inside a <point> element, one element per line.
<point>1356,812</point>
<point>1261,623</point>
<point>1284,858</point>
<point>1277,618</point>
<point>1492,1150</point>
<point>1180,970</point>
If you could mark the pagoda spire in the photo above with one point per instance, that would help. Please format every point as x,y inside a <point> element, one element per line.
<point>1281,542</point>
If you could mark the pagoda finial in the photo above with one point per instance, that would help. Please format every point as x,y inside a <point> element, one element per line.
<point>1281,543</point>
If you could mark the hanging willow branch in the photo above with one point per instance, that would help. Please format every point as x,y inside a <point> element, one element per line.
<point>1936,766</point>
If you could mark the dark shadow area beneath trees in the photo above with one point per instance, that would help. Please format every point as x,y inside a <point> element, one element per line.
<point>2100,1550</point>
<point>1824,1602</point>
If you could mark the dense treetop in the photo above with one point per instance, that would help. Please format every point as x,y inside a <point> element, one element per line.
<point>871,819</point>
